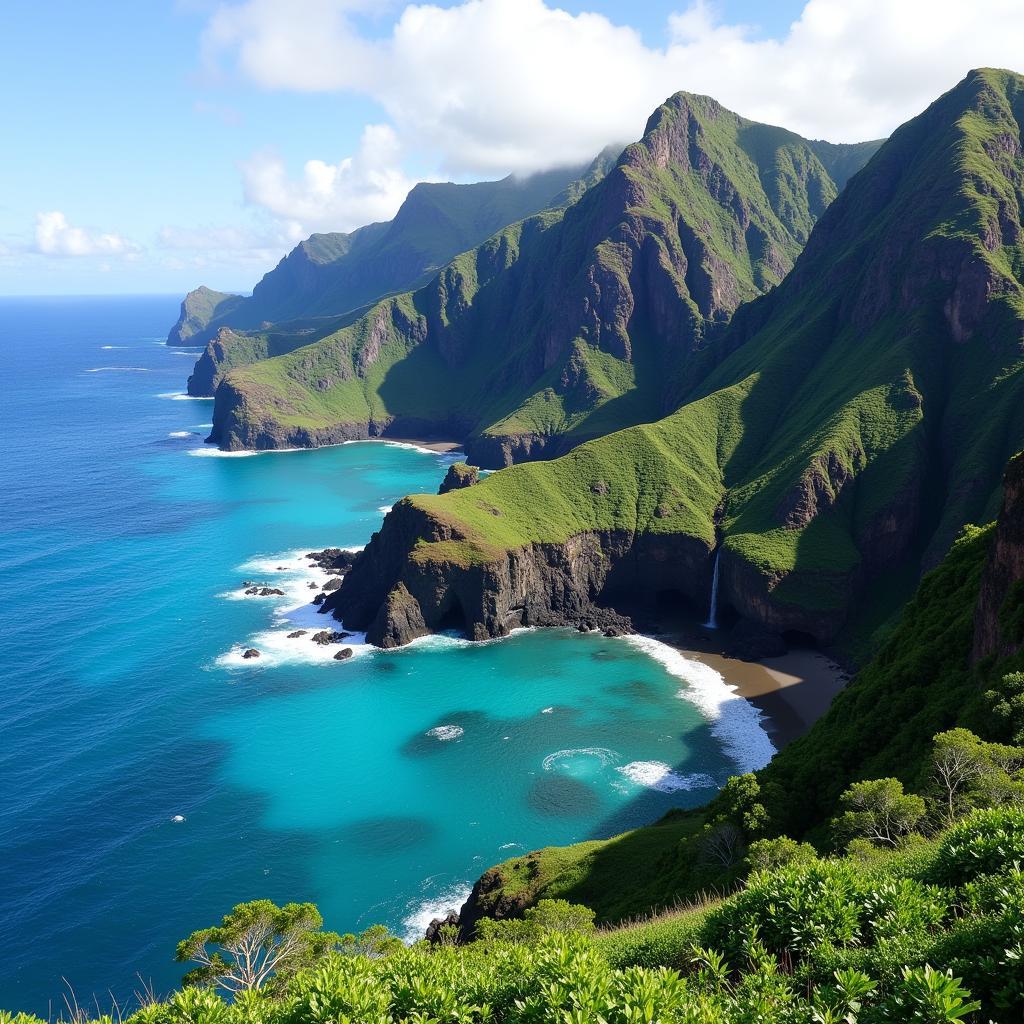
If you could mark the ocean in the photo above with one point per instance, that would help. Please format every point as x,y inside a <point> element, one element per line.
<point>150,777</point>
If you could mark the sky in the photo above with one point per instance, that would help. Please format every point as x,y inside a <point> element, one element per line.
<point>150,146</point>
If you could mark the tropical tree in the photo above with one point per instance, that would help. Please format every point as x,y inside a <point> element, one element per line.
<point>879,810</point>
<point>258,942</point>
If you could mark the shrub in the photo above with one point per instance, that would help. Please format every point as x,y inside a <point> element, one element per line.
<point>988,842</point>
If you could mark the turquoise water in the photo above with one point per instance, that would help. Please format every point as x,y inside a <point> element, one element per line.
<point>379,787</point>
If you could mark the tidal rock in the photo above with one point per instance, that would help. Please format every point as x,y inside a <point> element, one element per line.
<point>319,599</point>
<point>251,653</point>
<point>333,559</point>
<point>344,654</point>
<point>329,636</point>
<point>333,583</point>
<point>297,633</point>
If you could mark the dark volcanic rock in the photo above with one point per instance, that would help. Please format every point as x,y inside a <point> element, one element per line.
<point>251,653</point>
<point>264,591</point>
<point>333,583</point>
<point>297,633</point>
<point>999,617</point>
<point>337,560</point>
<point>329,636</point>
<point>433,934</point>
<point>344,654</point>
<point>459,475</point>
<point>319,599</point>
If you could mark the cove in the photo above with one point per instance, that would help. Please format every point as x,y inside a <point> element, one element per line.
<point>379,788</point>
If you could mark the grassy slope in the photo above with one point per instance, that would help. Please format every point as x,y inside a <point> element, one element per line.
<point>499,320</point>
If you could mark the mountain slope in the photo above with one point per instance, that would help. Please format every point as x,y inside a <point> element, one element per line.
<point>329,274</point>
<point>567,325</point>
<point>844,427</point>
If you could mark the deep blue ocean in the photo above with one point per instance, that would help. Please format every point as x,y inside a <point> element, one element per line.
<point>379,788</point>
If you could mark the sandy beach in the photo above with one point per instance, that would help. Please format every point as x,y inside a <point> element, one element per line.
<point>793,690</point>
<point>435,446</point>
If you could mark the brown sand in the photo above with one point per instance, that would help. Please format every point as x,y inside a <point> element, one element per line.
<point>434,446</point>
<point>793,690</point>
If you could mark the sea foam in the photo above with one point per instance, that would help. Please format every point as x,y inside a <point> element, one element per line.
<point>291,572</point>
<point>735,722</point>
<point>419,915</point>
<point>216,453</point>
<point>603,755</point>
<point>446,732</point>
<point>657,775</point>
<point>180,396</point>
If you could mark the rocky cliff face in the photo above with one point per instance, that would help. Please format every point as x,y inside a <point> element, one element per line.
<point>395,597</point>
<point>999,619</point>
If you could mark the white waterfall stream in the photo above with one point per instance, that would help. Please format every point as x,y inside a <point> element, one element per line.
<point>712,622</point>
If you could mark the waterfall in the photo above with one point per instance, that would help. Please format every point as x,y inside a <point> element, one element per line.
<point>712,622</point>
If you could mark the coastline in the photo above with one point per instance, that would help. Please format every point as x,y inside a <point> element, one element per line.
<point>792,690</point>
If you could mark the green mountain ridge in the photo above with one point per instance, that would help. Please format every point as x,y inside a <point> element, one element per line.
<point>334,273</point>
<point>569,324</point>
<point>840,431</point>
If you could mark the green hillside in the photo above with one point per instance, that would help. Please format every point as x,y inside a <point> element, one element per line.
<point>568,325</point>
<point>833,440</point>
<point>333,273</point>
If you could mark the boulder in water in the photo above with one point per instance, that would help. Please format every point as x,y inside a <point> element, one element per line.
<point>344,654</point>
<point>297,633</point>
<point>251,653</point>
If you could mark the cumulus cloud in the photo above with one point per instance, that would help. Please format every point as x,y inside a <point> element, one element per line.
<point>368,186</point>
<point>56,237</point>
<point>500,85</point>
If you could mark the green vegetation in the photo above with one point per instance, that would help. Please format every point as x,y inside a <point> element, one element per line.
<point>334,273</point>
<point>576,322</point>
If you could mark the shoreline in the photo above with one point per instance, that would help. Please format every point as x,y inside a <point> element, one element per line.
<point>442,447</point>
<point>791,690</point>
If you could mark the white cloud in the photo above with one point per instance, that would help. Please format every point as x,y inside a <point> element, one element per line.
<point>365,187</point>
<point>499,85</point>
<point>56,237</point>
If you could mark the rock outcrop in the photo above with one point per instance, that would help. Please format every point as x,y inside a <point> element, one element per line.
<point>459,475</point>
<point>395,598</point>
<point>999,618</point>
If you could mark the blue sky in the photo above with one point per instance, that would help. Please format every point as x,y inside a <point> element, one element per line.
<point>152,146</point>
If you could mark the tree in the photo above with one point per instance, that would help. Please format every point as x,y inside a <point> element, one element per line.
<point>740,803</point>
<point>958,763</point>
<point>256,943</point>
<point>879,810</point>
